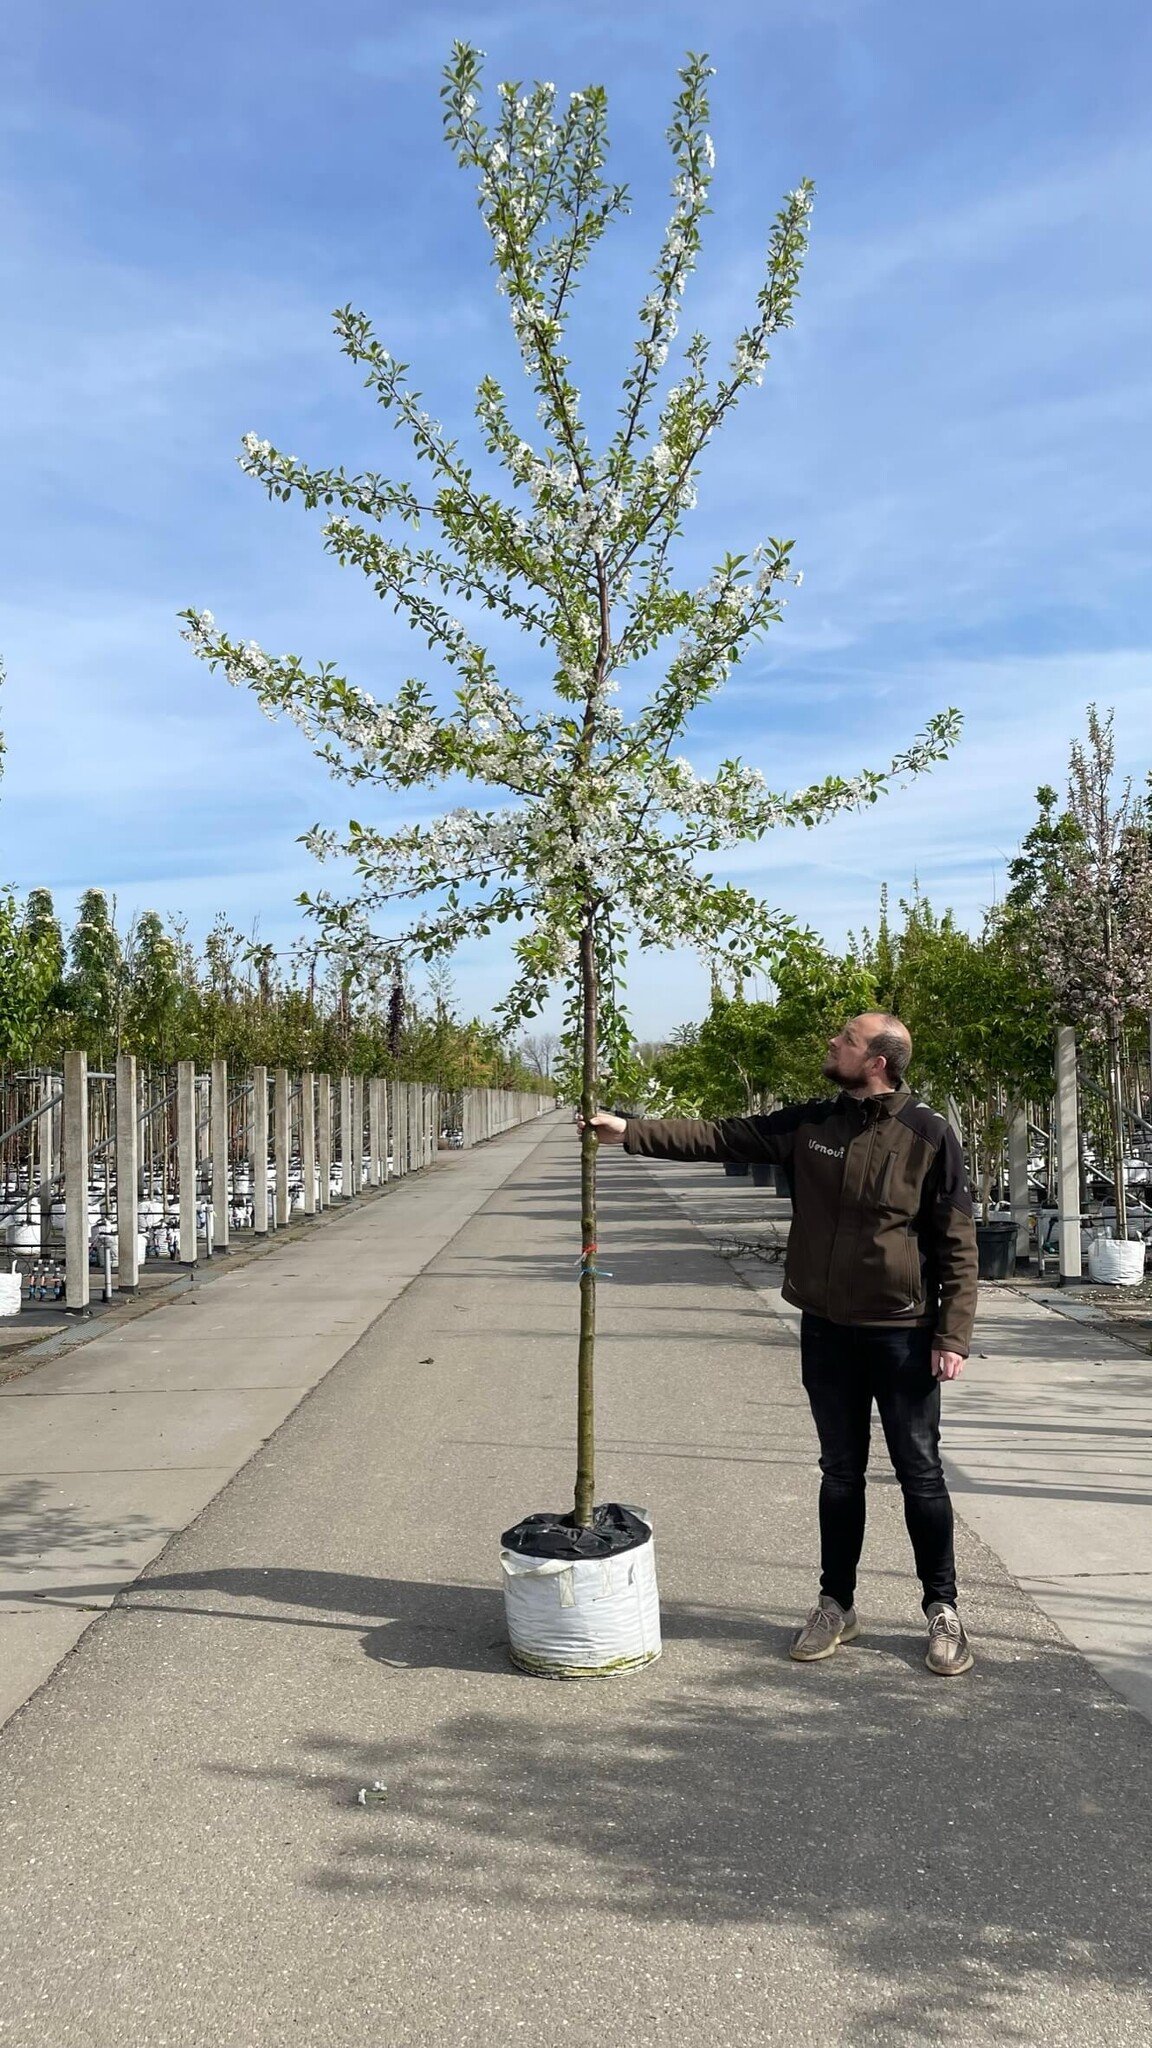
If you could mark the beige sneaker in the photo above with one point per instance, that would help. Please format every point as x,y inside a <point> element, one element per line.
<point>826,1628</point>
<point>949,1651</point>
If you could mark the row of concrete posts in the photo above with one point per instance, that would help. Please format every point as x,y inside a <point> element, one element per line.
<point>1066,1129</point>
<point>334,1134</point>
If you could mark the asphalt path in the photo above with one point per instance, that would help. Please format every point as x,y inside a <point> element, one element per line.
<point>725,1848</point>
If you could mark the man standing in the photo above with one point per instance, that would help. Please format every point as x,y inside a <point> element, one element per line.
<point>882,1263</point>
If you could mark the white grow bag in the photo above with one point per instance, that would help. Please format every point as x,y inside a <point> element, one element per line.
<point>11,1287</point>
<point>1114,1262</point>
<point>583,1617</point>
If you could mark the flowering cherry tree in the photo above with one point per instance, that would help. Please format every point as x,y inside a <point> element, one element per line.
<point>1094,931</point>
<point>603,823</point>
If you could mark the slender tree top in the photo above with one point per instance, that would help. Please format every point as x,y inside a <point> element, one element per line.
<point>1093,909</point>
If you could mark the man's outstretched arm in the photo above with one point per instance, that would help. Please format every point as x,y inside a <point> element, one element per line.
<point>751,1140</point>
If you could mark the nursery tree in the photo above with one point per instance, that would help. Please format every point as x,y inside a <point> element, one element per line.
<point>573,543</point>
<point>44,940</point>
<point>816,993</point>
<point>1095,931</point>
<point>95,985</point>
<point>976,1005</point>
<point>721,1066</point>
<point>744,1051</point>
<point>978,1010</point>
<point>28,974</point>
<point>157,997</point>
<point>44,931</point>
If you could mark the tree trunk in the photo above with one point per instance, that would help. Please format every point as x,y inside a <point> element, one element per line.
<point>585,1397</point>
<point>986,1142</point>
<point>1116,1121</point>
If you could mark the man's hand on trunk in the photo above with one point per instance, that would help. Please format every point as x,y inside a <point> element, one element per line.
<point>609,1129</point>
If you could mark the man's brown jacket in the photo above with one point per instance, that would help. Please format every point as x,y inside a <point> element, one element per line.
<point>882,1228</point>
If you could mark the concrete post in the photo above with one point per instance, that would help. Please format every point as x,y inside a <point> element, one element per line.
<point>127,1174</point>
<point>308,1138</point>
<point>1018,1179</point>
<point>281,1137</point>
<point>955,1118</point>
<point>1068,1154</point>
<point>260,1151</point>
<point>203,1126</point>
<point>324,1140</point>
<point>345,1136</point>
<point>75,1164</point>
<point>375,1162</point>
<point>357,1133</point>
<point>392,1113</point>
<point>186,1158</point>
<point>218,1130</point>
<point>46,1129</point>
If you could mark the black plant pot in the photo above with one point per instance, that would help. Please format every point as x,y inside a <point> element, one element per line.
<point>996,1250</point>
<point>734,1170</point>
<point>764,1176</point>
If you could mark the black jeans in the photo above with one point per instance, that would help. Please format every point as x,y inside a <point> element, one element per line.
<point>845,1369</point>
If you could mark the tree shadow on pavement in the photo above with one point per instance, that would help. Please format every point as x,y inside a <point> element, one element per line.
<point>952,1850</point>
<point>33,1520</point>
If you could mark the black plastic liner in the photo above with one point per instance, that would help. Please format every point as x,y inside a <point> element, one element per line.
<point>554,1535</point>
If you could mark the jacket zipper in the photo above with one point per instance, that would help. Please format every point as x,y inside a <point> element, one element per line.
<point>864,1183</point>
<point>913,1246</point>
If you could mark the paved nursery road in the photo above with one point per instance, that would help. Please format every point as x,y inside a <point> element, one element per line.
<point>109,1449</point>
<point>726,1848</point>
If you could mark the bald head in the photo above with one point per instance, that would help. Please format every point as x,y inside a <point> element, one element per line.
<point>888,1040</point>
<point>870,1055</point>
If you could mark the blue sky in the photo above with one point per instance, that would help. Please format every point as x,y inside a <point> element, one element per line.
<point>956,432</point>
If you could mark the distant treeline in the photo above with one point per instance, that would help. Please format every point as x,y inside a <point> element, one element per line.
<point>149,991</point>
